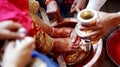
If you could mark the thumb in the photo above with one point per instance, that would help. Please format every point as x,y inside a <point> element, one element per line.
<point>10,45</point>
<point>73,35</point>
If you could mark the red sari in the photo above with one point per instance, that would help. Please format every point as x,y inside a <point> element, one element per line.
<point>17,11</point>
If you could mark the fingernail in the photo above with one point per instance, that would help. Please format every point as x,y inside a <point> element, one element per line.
<point>73,39</point>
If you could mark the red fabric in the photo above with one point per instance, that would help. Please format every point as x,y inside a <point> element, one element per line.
<point>20,4</point>
<point>113,47</point>
<point>16,10</point>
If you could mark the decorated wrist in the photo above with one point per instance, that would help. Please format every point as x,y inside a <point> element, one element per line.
<point>116,18</point>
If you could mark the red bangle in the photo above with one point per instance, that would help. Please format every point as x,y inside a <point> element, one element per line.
<point>48,1</point>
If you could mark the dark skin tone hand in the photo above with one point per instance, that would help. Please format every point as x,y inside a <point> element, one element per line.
<point>54,11</point>
<point>62,45</point>
<point>104,23</point>
<point>80,4</point>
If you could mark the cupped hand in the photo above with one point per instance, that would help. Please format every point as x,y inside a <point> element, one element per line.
<point>80,4</point>
<point>18,55</point>
<point>6,30</point>
<point>104,23</point>
<point>54,11</point>
<point>63,45</point>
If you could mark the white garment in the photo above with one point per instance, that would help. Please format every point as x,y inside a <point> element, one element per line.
<point>95,4</point>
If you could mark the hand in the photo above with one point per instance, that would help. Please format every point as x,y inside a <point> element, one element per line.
<point>81,4</point>
<point>18,56</point>
<point>52,7</point>
<point>104,23</point>
<point>66,22</point>
<point>62,32</point>
<point>54,11</point>
<point>33,6</point>
<point>67,27</point>
<point>62,45</point>
<point>5,30</point>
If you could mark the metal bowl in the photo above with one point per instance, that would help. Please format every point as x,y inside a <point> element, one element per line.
<point>113,47</point>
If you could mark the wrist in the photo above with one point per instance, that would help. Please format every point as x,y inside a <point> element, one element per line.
<point>116,18</point>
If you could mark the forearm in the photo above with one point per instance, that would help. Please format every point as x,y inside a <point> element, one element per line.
<point>116,19</point>
<point>95,4</point>
<point>46,28</point>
